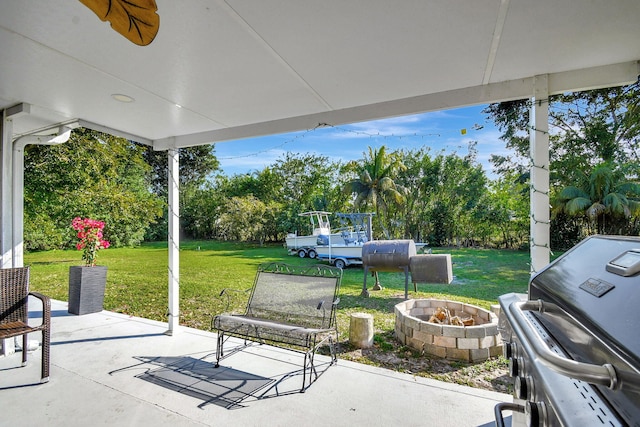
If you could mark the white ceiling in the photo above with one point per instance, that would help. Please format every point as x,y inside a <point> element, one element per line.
<point>241,68</point>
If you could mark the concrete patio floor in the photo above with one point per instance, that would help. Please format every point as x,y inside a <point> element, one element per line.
<point>112,369</point>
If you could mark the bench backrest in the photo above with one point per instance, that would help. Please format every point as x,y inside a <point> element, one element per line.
<point>299,295</point>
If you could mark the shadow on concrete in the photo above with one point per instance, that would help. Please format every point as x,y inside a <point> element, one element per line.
<point>199,378</point>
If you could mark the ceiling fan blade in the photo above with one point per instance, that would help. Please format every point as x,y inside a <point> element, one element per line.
<point>136,20</point>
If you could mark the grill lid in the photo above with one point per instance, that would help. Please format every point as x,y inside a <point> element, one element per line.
<point>606,302</point>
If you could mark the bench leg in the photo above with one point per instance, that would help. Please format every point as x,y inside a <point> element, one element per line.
<point>219,349</point>
<point>332,349</point>
<point>304,372</point>
<point>309,361</point>
<point>310,367</point>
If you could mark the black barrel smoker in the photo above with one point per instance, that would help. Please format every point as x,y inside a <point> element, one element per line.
<point>387,255</point>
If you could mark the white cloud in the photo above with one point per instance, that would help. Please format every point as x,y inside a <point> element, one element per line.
<point>438,131</point>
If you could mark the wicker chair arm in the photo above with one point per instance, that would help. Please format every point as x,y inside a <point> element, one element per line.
<point>46,307</point>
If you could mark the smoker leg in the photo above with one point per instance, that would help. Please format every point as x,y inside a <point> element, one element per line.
<point>377,286</point>
<point>406,282</point>
<point>365,292</point>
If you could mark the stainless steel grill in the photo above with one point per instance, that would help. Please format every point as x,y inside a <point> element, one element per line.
<point>573,343</point>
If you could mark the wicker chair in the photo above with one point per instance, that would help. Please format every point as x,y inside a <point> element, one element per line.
<point>14,296</point>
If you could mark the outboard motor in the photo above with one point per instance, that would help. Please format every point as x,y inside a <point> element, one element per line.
<point>322,240</point>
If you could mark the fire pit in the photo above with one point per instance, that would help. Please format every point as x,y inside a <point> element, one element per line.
<point>474,343</point>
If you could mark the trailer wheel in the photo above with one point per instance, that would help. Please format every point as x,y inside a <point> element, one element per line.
<point>312,254</point>
<point>302,253</point>
<point>340,263</point>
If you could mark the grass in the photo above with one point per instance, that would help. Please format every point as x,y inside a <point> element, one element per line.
<point>137,282</point>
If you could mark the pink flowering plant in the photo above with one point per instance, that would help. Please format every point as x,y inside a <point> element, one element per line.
<point>91,241</point>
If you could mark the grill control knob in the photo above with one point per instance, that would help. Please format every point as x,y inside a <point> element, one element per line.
<point>513,367</point>
<point>535,413</point>
<point>509,350</point>
<point>523,387</point>
<point>516,366</point>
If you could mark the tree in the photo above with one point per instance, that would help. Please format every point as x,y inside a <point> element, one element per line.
<point>200,211</point>
<point>196,165</point>
<point>92,175</point>
<point>246,219</point>
<point>375,186</point>
<point>306,182</point>
<point>506,210</point>
<point>586,128</point>
<point>414,211</point>
<point>449,189</point>
<point>605,197</point>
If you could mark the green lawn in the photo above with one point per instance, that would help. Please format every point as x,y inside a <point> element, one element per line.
<point>137,282</point>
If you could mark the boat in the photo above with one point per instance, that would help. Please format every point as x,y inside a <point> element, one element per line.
<point>304,246</point>
<point>355,232</point>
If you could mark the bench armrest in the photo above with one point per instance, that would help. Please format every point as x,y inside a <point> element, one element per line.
<point>227,291</point>
<point>321,306</point>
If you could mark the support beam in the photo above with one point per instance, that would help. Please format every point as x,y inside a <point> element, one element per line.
<point>566,81</point>
<point>174,242</point>
<point>539,153</point>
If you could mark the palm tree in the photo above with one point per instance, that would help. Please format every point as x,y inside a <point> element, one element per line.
<point>375,186</point>
<point>605,197</point>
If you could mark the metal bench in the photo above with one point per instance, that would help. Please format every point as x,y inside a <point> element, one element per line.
<point>293,307</point>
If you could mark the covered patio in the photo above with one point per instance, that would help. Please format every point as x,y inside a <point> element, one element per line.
<point>110,369</point>
<point>223,70</point>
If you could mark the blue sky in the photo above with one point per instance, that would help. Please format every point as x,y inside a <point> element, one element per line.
<point>441,131</point>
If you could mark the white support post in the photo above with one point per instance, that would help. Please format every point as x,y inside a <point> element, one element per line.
<point>174,242</point>
<point>18,204</point>
<point>6,186</point>
<point>7,346</point>
<point>539,171</point>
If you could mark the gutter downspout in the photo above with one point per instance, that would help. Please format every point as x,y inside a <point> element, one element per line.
<point>8,346</point>
<point>17,193</point>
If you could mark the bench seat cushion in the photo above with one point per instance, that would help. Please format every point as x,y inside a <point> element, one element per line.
<point>270,330</point>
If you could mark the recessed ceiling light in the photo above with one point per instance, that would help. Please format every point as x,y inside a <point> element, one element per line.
<point>122,98</point>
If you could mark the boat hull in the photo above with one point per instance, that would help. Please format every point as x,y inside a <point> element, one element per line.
<point>299,242</point>
<point>340,251</point>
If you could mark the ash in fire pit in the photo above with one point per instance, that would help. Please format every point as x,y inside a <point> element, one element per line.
<point>443,337</point>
